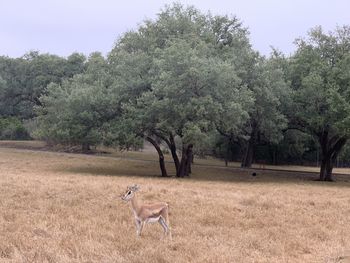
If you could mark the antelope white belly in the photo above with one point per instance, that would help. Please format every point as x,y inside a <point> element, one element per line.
<point>152,219</point>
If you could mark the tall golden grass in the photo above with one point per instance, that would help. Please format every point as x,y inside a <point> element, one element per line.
<point>58,207</point>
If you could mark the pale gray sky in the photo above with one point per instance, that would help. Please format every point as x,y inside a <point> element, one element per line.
<point>64,26</point>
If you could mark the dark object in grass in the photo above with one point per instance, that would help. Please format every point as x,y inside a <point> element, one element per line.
<point>254,174</point>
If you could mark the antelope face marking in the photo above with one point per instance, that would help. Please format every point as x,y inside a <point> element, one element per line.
<point>129,193</point>
<point>127,196</point>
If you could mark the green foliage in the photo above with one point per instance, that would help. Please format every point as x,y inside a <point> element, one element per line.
<point>271,94</point>
<point>120,133</point>
<point>171,79</point>
<point>27,78</point>
<point>320,81</point>
<point>320,73</point>
<point>344,156</point>
<point>74,111</point>
<point>12,129</point>
<point>185,78</point>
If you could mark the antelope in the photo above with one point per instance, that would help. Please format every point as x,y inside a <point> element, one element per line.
<point>147,213</point>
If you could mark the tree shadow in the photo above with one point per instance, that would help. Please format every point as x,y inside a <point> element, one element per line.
<point>98,170</point>
<point>251,175</point>
<point>209,173</point>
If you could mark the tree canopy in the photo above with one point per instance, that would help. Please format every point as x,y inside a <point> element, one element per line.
<point>74,111</point>
<point>320,79</point>
<point>191,82</point>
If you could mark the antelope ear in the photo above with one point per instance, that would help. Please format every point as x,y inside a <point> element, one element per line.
<point>136,187</point>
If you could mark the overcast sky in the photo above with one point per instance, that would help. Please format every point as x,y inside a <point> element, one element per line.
<point>64,26</point>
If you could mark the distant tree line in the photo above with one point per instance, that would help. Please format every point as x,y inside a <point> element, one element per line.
<point>192,82</point>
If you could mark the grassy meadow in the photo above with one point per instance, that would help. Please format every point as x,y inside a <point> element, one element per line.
<point>61,207</point>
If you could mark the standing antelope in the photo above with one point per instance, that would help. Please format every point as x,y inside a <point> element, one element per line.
<point>147,213</point>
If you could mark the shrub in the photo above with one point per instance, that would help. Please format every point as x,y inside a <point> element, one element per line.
<point>12,128</point>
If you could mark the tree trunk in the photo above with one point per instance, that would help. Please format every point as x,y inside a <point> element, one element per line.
<point>274,159</point>
<point>323,169</point>
<point>186,160</point>
<point>330,148</point>
<point>181,172</point>
<point>248,156</point>
<point>249,151</point>
<point>85,147</point>
<point>329,169</point>
<point>333,160</point>
<point>190,159</point>
<point>161,156</point>
<point>172,147</point>
<point>227,154</point>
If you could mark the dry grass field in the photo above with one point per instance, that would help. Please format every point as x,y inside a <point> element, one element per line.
<point>59,207</point>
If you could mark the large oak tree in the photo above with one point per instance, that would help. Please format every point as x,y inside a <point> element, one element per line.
<point>320,75</point>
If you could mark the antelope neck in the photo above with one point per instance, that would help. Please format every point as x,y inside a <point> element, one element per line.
<point>135,204</point>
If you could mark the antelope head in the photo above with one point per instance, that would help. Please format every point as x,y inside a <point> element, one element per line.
<point>130,192</point>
